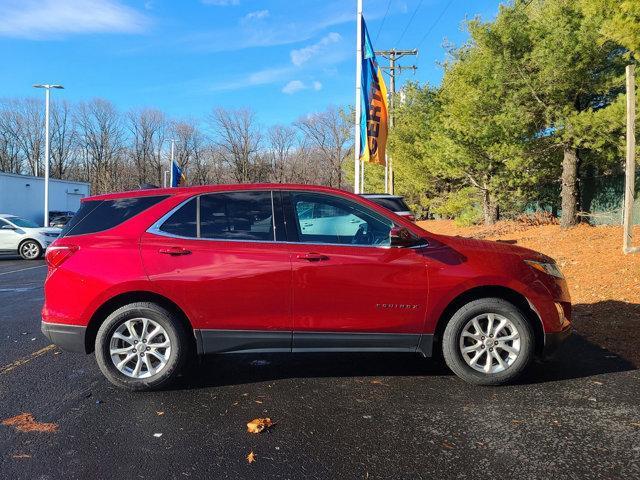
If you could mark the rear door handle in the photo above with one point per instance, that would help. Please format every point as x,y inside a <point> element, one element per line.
<point>174,251</point>
<point>313,257</point>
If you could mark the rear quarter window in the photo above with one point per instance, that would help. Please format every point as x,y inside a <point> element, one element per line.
<point>99,215</point>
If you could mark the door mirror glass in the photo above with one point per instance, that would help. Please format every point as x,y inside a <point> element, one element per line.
<point>402,237</point>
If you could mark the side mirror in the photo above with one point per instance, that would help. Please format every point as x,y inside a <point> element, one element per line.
<point>8,227</point>
<point>401,237</point>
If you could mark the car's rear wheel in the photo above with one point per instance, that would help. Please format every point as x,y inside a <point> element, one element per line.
<point>30,250</point>
<point>488,342</point>
<point>141,346</point>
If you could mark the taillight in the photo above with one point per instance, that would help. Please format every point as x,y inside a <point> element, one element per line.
<point>57,254</point>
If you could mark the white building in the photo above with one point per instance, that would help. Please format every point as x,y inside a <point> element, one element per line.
<point>23,195</point>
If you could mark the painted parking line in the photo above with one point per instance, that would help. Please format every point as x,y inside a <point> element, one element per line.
<point>22,270</point>
<point>24,360</point>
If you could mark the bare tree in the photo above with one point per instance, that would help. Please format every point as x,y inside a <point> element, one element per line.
<point>329,134</point>
<point>238,138</point>
<point>25,124</point>
<point>148,131</point>
<point>101,135</point>
<point>282,141</point>
<point>63,136</point>
<point>10,160</point>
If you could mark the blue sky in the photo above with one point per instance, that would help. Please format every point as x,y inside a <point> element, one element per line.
<point>281,58</point>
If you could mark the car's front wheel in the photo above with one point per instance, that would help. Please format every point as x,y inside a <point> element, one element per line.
<point>141,346</point>
<point>30,250</point>
<point>488,342</point>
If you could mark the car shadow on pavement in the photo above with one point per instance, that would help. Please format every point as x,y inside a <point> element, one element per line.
<point>604,344</point>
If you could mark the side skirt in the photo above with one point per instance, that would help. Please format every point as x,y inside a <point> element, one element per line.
<point>264,341</point>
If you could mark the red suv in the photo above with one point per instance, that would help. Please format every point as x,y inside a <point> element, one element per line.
<point>146,278</point>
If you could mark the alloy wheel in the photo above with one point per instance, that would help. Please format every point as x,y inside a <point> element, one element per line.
<point>490,343</point>
<point>30,250</point>
<point>140,348</point>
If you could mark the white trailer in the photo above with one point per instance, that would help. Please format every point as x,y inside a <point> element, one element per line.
<point>23,195</point>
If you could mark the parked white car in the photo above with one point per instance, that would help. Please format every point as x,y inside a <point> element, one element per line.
<point>24,237</point>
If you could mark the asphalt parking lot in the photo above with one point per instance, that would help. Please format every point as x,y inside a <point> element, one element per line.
<point>337,416</point>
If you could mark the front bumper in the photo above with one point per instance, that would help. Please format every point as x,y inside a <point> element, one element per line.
<point>67,337</point>
<point>552,341</point>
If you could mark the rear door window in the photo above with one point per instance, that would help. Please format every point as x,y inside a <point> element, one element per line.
<point>99,215</point>
<point>237,216</point>
<point>243,216</point>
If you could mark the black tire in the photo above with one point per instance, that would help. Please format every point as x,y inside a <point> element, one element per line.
<point>453,331</point>
<point>28,246</point>
<point>177,335</point>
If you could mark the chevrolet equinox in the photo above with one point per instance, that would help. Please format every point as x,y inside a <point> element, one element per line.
<point>145,279</point>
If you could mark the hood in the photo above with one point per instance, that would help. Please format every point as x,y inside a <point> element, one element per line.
<point>42,230</point>
<point>492,247</point>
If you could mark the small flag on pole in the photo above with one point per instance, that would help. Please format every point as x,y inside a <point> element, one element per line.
<point>374,113</point>
<point>177,176</point>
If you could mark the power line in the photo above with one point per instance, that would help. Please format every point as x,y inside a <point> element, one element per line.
<point>383,19</point>
<point>410,20</point>
<point>433,25</point>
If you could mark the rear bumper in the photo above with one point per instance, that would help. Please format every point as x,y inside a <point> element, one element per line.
<point>67,337</point>
<point>552,341</point>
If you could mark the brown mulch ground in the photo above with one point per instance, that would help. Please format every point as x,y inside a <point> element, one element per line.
<point>604,283</point>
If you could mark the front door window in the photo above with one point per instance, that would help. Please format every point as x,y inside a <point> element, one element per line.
<point>325,219</point>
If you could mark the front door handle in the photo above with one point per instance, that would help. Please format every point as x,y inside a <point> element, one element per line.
<point>313,257</point>
<point>174,251</point>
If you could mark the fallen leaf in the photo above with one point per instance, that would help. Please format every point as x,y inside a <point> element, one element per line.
<point>258,401</point>
<point>20,455</point>
<point>635,424</point>
<point>159,413</point>
<point>517,422</point>
<point>157,435</point>
<point>26,423</point>
<point>257,425</point>
<point>448,445</point>
<point>251,457</point>
<point>378,382</point>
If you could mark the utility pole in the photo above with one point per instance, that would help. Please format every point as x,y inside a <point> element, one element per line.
<point>173,147</point>
<point>630,169</point>
<point>392,70</point>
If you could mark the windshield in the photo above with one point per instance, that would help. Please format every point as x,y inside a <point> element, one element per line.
<point>21,222</point>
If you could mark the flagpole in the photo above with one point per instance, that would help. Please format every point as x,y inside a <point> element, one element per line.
<point>356,145</point>
<point>173,144</point>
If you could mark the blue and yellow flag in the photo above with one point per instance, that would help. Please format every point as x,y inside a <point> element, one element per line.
<point>374,120</point>
<point>177,177</point>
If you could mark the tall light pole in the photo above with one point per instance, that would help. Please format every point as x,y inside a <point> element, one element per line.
<point>46,87</point>
<point>356,144</point>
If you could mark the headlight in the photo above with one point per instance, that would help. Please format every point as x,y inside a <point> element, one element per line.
<point>548,268</point>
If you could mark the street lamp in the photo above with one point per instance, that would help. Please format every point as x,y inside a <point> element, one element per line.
<point>47,87</point>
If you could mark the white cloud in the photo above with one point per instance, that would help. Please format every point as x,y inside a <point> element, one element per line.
<point>254,17</point>
<point>295,86</point>
<point>53,18</point>
<point>221,3</point>
<point>303,55</point>
<point>258,15</point>
<point>261,77</point>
